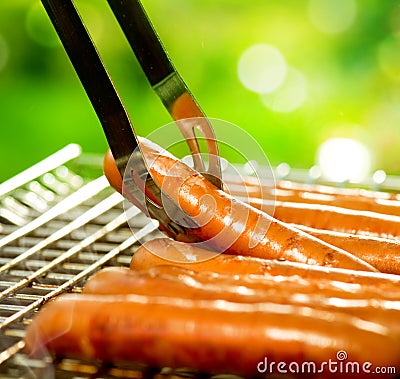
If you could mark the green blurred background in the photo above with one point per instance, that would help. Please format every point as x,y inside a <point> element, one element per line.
<point>339,62</point>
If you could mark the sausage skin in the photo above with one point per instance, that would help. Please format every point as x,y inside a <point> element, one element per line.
<point>330,217</point>
<point>230,225</point>
<point>382,253</point>
<point>170,281</point>
<point>286,191</point>
<point>174,253</point>
<point>208,336</point>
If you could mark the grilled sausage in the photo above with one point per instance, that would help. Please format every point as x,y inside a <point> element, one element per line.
<point>165,251</point>
<point>382,253</point>
<point>287,191</point>
<point>330,217</point>
<point>208,336</point>
<point>169,281</point>
<point>227,224</point>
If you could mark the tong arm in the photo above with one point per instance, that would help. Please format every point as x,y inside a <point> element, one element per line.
<point>168,84</point>
<point>109,108</point>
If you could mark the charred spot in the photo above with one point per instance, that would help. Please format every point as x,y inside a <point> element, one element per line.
<point>292,243</point>
<point>329,259</point>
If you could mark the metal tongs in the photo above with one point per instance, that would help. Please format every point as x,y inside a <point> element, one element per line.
<point>112,114</point>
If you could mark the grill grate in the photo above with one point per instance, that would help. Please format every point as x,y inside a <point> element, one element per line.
<point>59,223</point>
<point>57,227</point>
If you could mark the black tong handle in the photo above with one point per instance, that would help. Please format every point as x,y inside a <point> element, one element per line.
<point>95,79</point>
<point>117,127</point>
<point>168,85</point>
<point>143,39</point>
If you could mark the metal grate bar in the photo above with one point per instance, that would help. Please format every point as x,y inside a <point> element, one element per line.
<point>78,197</point>
<point>58,227</point>
<point>11,351</point>
<point>51,162</point>
<point>92,213</point>
<point>150,227</point>
<point>115,223</point>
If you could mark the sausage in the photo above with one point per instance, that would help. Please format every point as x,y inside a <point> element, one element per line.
<point>331,190</point>
<point>169,281</point>
<point>165,251</point>
<point>256,184</point>
<point>208,336</point>
<point>382,253</point>
<point>339,227</point>
<point>286,191</point>
<point>329,217</point>
<point>229,225</point>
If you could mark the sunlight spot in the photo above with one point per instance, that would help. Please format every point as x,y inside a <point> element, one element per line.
<point>262,68</point>
<point>344,159</point>
<point>282,170</point>
<point>379,176</point>
<point>315,172</point>
<point>290,95</point>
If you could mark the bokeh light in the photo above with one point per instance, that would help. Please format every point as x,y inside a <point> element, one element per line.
<point>282,170</point>
<point>344,159</point>
<point>262,68</point>
<point>379,176</point>
<point>290,95</point>
<point>314,172</point>
<point>332,16</point>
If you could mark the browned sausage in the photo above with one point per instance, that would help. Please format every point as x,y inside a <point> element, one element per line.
<point>286,191</point>
<point>169,281</point>
<point>208,336</point>
<point>335,218</point>
<point>174,253</point>
<point>382,253</point>
<point>230,225</point>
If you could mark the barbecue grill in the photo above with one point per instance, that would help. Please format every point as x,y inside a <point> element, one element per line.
<point>59,223</point>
